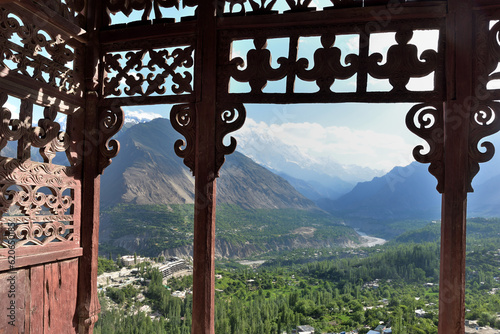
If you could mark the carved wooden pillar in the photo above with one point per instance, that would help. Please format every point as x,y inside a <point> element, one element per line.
<point>459,77</point>
<point>86,126</point>
<point>205,172</point>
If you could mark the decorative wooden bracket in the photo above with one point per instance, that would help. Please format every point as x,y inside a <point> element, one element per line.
<point>110,122</point>
<point>183,120</point>
<point>484,121</point>
<point>426,121</point>
<point>230,118</point>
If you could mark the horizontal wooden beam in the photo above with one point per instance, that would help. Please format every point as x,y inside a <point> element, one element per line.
<point>41,13</point>
<point>40,93</point>
<point>381,14</point>
<point>369,97</point>
<point>147,31</point>
<point>147,100</point>
<point>39,258</point>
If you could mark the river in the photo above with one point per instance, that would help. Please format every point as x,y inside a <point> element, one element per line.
<point>369,241</point>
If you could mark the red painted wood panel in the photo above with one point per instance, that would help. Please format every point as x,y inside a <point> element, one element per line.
<point>60,293</point>
<point>13,290</point>
<point>37,275</point>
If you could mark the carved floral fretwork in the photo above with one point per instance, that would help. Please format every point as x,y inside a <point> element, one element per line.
<point>493,53</point>
<point>484,121</point>
<point>230,117</point>
<point>426,121</point>
<point>72,10</point>
<point>46,136</point>
<point>183,120</point>
<point>327,65</point>
<point>110,122</point>
<point>42,55</point>
<point>126,7</point>
<point>36,202</point>
<point>403,62</point>
<point>258,71</point>
<point>161,65</point>
<point>331,63</point>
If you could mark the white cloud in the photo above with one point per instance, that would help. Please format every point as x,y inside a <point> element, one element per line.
<point>140,116</point>
<point>322,144</point>
<point>13,109</point>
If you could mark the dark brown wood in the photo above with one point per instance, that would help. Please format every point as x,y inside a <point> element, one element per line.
<point>205,170</point>
<point>38,12</point>
<point>43,94</point>
<point>150,32</point>
<point>425,10</point>
<point>88,306</point>
<point>454,206</point>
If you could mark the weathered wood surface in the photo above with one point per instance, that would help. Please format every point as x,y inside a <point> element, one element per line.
<point>459,62</point>
<point>205,183</point>
<point>44,297</point>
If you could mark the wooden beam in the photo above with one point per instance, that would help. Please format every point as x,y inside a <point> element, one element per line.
<point>372,14</point>
<point>205,172</point>
<point>459,73</point>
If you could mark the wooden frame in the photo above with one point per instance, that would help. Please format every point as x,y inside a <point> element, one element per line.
<point>206,111</point>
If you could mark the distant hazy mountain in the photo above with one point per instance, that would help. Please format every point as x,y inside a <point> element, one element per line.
<point>330,187</point>
<point>403,193</point>
<point>485,200</point>
<point>409,193</point>
<point>147,171</point>
<point>287,160</point>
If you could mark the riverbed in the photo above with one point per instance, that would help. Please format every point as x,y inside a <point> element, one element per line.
<point>369,241</point>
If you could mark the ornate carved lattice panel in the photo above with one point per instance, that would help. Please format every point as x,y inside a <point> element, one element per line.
<point>71,10</point>
<point>144,10</point>
<point>38,51</point>
<point>38,202</point>
<point>148,69</point>
<point>330,63</point>
<point>262,7</point>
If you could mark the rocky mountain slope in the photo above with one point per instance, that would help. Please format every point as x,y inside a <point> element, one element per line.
<point>147,171</point>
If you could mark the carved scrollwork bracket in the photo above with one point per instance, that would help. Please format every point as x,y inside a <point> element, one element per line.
<point>426,121</point>
<point>230,118</point>
<point>110,122</point>
<point>484,121</point>
<point>183,120</point>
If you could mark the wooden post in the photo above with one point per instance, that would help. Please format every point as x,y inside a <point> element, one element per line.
<point>88,306</point>
<point>459,72</point>
<point>205,172</point>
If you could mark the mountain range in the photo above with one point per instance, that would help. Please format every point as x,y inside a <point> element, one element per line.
<point>148,173</point>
